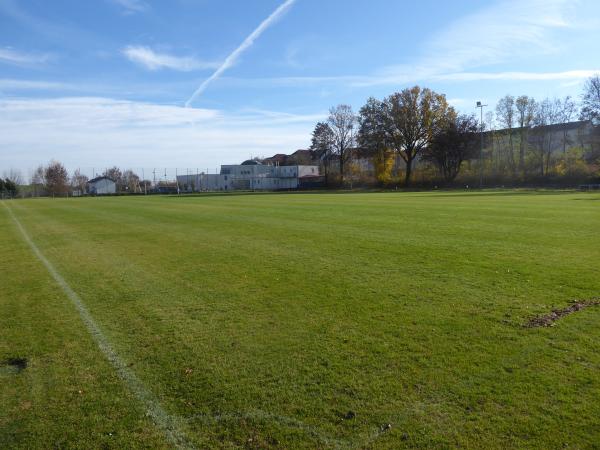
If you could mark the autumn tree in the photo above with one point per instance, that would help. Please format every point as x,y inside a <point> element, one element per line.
<point>56,178</point>
<point>413,117</point>
<point>372,137</point>
<point>342,123</point>
<point>452,144</point>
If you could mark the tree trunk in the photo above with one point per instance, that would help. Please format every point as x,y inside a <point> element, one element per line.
<point>542,164</point>
<point>408,172</point>
<point>342,168</point>
<point>522,153</point>
<point>512,151</point>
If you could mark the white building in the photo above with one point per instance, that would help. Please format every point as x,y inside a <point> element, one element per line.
<point>101,186</point>
<point>251,175</point>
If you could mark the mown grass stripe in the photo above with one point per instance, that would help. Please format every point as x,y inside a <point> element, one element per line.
<point>167,423</point>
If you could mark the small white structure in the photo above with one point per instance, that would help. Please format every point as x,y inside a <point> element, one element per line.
<point>251,175</point>
<point>101,186</point>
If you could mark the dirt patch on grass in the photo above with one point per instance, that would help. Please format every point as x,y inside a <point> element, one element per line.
<point>547,320</point>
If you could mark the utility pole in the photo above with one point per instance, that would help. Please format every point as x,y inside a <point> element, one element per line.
<point>481,106</point>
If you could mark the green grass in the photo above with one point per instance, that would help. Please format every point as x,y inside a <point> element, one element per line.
<point>262,320</point>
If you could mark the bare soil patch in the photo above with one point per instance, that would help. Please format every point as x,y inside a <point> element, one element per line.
<point>547,320</point>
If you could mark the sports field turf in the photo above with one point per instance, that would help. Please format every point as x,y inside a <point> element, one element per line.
<point>373,320</point>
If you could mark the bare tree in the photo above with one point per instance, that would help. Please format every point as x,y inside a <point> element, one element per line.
<point>79,181</point>
<point>591,100</point>
<point>566,109</point>
<point>131,181</point>
<point>115,174</point>
<point>38,181</point>
<point>543,139</point>
<point>490,126</point>
<point>505,114</point>
<point>526,109</point>
<point>412,118</point>
<point>342,122</point>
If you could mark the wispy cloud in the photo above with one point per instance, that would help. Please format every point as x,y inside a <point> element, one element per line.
<point>26,85</point>
<point>132,6</point>
<point>512,30</point>
<point>234,56</point>
<point>153,60</point>
<point>140,134</point>
<point>569,76</point>
<point>11,56</point>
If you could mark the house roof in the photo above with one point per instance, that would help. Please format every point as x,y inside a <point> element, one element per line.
<point>94,180</point>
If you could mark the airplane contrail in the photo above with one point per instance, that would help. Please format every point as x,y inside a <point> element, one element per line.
<point>233,57</point>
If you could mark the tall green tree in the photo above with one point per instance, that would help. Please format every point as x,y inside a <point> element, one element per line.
<point>322,145</point>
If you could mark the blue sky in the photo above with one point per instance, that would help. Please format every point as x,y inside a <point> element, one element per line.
<point>106,82</point>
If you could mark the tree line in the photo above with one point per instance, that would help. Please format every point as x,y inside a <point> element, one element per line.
<point>520,138</point>
<point>54,180</point>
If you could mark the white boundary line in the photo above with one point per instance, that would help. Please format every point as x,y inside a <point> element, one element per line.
<point>168,424</point>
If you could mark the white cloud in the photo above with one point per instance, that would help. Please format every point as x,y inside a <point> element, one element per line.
<point>248,42</point>
<point>98,132</point>
<point>510,31</point>
<point>152,60</point>
<point>569,76</point>
<point>11,56</point>
<point>132,6</point>
<point>19,85</point>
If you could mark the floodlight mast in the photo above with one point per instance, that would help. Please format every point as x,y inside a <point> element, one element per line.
<point>481,106</point>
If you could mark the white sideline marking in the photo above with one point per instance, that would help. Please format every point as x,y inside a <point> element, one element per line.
<point>167,423</point>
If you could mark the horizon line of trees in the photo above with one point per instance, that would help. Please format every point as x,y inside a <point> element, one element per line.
<point>418,126</point>
<point>54,180</point>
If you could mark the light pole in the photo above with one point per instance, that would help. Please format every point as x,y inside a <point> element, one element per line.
<point>481,106</point>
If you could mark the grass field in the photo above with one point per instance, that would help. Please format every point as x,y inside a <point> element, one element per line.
<point>304,320</point>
